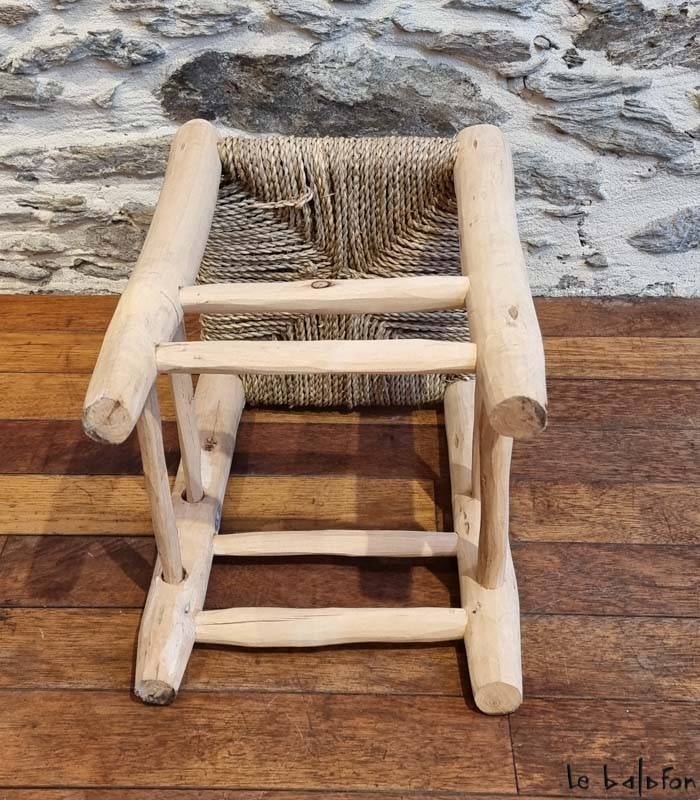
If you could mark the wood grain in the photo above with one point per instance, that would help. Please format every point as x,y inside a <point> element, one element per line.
<point>109,505</point>
<point>638,580</point>
<point>564,656</point>
<point>640,513</point>
<point>548,734</point>
<point>291,741</point>
<point>399,451</point>
<point>615,358</point>
<point>561,316</point>
<point>570,578</point>
<point>618,358</point>
<point>588,316</point>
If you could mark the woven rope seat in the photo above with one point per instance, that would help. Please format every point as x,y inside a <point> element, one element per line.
<point>293,208</point>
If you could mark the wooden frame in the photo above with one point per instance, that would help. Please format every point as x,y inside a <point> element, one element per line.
<point>507,400</point>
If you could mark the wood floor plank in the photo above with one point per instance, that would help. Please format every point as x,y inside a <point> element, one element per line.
<point>56,447</point>
<point>618,358</point>
<point>563,656</point>
<point>591,404</point>
<point>633,513</point>
<point>398,451</point>
<point>615,358</point>
<point>605,317</point>
<point>549,734</point>
<point>114,572</point>
<point>609,404</point>
<point>108,505</point>
<point>322,742</point>
<point>225,794</point>
<point>560,316</point>
<point>569,578</point>
<point>49,396</point>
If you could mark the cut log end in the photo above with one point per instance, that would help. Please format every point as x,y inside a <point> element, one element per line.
<point>519,417</point>
<point>155,693</point>
<point>498,698</point>
<point>107,421</point>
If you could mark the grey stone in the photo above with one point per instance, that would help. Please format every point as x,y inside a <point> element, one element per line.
<point>628,127</point>
<point>333,90</point>
<point>570,86</point>
<point>143,158</point>
<point>483,46</point>
<point>203,18</point>
<point>543,43</point>
<point>138,5</point>
<point>73,203</point>
<point>523,8</point>
<point>36,242</point>
<point>108,45</point>
<point>119,239</point>
<point>645,38</point>
<point>676,233</point>
<point>562,183</point>
<point>105,98</point>
<point>572,58</point>
<point>315,16</point>
<point>22,92</point>
<point>25,271</point>
<point>16,13</point>
<point>570,282</point>
<point>519,69</point>
<point>688,166</point>
<point>112,271</point>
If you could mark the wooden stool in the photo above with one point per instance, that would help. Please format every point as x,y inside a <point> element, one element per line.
<point>506,400</point>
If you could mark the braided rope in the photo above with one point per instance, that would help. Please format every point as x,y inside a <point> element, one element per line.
<point>293,208</point>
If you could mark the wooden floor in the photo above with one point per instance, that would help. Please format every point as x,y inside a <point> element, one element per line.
<point>605,527</point>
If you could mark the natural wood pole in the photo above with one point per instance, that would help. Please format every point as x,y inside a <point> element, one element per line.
<point>388,356</point>
<point>350,296</point>
<point>149,310</point>
<point>397,544</point>
<point>492,466</point>
<point>150,434</point>
<point>492,636</point>
<point>167,631</point>
<point>502,316</point>
<point>318,627</point>
<point>188,434</point>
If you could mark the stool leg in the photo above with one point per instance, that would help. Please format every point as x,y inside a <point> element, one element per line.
<point>492,636</point>
<point>167,632</point>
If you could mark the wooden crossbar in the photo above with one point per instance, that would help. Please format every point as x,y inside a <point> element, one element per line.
<point>400,544</point>
<point>316,627</point>
<point>353,296</point>
<point>389,356</point>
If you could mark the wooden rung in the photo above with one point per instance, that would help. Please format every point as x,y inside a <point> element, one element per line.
<point>315,627</point>
<point>401,544</point>
<point>387,356</point>
<point>355,296</point>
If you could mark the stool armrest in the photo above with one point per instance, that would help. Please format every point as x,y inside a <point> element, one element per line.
<point>502,319</point>
<point>149,310</point>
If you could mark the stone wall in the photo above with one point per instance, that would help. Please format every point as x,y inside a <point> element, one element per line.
<point>600,100</point>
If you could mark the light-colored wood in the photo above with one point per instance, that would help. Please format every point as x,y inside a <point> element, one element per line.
<point>491,453</point>
<point>388,357</point>
<point>492,636</point>
<point>150,434</point>
<point>167,631</point>
<point>188,434</point>
<point>317,627</point>
<point>149,311</point>
<point>400,544</point>
<point>502,317</point>
<point>353,296</point>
